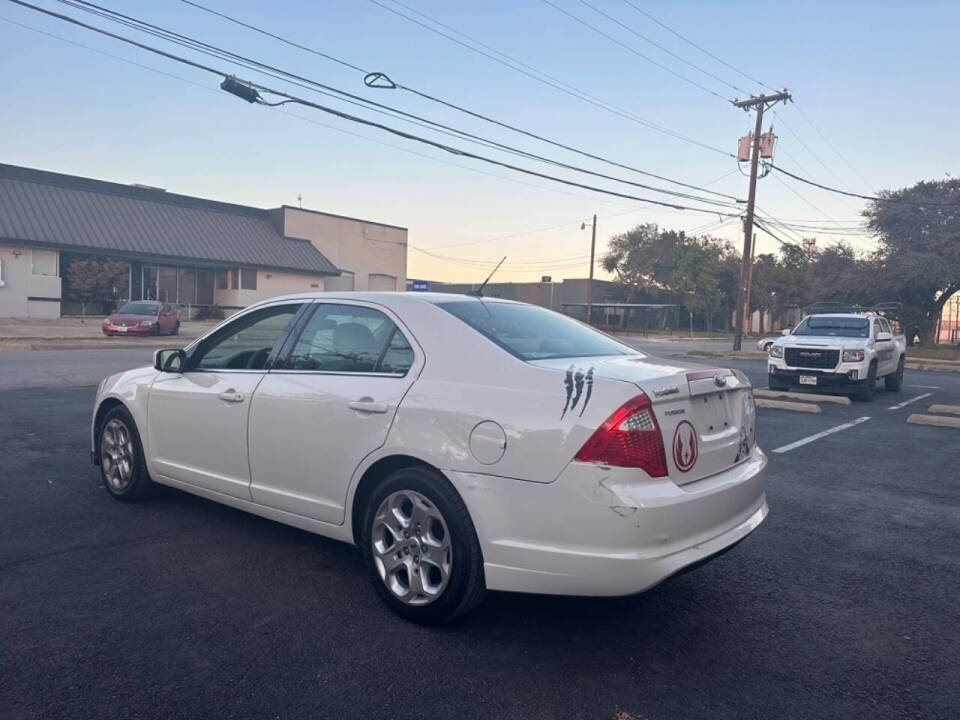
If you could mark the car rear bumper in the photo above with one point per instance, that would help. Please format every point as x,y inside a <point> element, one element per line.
<point>605,531</point>
<point>131,330</point>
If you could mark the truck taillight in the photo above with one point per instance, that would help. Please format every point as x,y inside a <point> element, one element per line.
<point>628,438</point>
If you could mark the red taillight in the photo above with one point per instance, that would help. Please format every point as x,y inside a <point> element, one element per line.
<point>629,438</point>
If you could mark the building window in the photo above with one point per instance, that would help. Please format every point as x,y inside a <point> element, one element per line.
<point>45,262</point>
<point>149,291</point>
<point>188,286</point>
<point>167,284</point>
<point>222,280</point>
<point>248,279</point>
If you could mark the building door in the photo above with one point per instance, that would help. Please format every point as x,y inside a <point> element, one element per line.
<point>205,287</point>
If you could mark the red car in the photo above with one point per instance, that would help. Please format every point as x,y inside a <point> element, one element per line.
<point>143,317</point>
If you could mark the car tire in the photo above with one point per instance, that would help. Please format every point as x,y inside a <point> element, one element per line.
<point>413,515</point>
<point>175,330</point>
<point>156,330</point>
<point>894,381</point>
<point>869,386</point>
<point>123,468</point>
<point>767,346</point>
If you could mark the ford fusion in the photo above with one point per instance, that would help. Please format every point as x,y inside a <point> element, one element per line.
<point>463,444</point>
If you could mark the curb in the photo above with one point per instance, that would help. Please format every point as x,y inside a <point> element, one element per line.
<point>784,405</point>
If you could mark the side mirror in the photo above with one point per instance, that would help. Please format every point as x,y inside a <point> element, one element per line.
<point>171,361</point>
<point>785,331</point>
<point>883,336</point>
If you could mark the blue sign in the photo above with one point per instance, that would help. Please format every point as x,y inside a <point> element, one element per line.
<point>420,286</point>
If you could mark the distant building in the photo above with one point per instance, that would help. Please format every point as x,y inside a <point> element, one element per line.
<point>174,248</point>
<point>546,294</point>
<point>613,304</point>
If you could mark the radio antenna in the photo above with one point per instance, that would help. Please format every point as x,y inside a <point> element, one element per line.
<point>479,291</point>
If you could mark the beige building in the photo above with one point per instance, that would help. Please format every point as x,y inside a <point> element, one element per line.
<point>72,245</point>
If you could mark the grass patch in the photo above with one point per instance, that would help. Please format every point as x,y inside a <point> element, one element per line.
<point>938,352</point>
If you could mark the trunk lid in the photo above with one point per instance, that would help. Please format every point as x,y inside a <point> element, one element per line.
<point>707,416</point>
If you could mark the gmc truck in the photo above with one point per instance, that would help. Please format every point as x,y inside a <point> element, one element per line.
<point>838,351</point>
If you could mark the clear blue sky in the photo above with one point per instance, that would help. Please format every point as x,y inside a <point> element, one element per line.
<point>878,78</point>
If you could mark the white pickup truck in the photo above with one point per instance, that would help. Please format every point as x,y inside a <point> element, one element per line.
<point>838,351</point>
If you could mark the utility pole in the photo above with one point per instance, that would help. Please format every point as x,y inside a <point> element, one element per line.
<point>746,302</point>
<point>593,245</point>
<point>759,102</point>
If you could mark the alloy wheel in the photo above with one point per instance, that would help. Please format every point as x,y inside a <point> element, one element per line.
<point>412,549</point>
<point>117,454</point>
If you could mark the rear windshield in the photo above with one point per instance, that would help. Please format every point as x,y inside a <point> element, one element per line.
<point>138,309</point>
<point>534,333</point>
<point>834,327</point>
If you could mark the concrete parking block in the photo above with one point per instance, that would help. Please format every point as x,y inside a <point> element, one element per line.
<point>938,420</point>
<point>784,405</point>
<point>948,409</point>
<point>811,397</point>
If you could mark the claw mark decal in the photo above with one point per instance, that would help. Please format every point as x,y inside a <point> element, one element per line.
<point>589,379</point>
<point>578,385</point>
<point>573,383</point>
<point>568,384</point>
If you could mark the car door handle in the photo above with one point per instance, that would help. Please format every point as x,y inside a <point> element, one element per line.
<point>231,395</point>
<point>368,406</point>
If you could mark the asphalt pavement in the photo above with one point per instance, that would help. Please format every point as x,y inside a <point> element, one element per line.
<point>843,604</point>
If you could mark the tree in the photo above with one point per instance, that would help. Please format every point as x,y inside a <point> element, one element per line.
<point>919,255</point>
<point>93,279</point>
<point>695,272</point>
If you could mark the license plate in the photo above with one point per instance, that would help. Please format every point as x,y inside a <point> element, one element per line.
<point>808,379</point>
<point>121,329</point>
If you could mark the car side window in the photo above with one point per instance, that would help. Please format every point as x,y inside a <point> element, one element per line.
<point>245,343</point>
<point>885,325</point>
<point>398,356</point>
<point>350,338</point>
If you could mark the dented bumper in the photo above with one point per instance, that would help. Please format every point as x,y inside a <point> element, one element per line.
<point>607,531</point>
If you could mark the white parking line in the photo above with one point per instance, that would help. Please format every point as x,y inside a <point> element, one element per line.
<point>926,387</point>
<point>811,438</point>
<point>907,402</point>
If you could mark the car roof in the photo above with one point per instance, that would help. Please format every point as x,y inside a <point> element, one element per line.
<point>388,298</point>
<point>858,316</point>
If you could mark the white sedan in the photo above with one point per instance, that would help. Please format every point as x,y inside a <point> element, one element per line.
<point>463,444</point>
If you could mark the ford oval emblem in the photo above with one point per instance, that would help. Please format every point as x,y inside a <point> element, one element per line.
<point>719,380</point>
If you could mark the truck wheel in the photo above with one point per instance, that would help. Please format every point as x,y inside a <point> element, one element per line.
<point>869,385</point>
<point>894,381</point>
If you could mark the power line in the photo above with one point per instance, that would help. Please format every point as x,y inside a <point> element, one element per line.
<point>353,118</point>
<point>445,103</point>
<point>694,45</point>
<point>212,50</point>
<point>661,47</point>
<point>873,198</point>
<point>636,52</point>
<point>539,75</point>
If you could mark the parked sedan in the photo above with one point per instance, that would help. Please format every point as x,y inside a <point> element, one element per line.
<point>143,317</point>
<point>463,444</point>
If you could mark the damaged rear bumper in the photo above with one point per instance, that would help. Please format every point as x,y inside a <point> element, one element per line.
<point>603,531</point>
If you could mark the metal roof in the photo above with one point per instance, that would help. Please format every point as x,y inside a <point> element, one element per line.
<point>69,212</point>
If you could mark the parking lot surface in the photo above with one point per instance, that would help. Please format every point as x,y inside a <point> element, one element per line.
<point>843,604</point>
